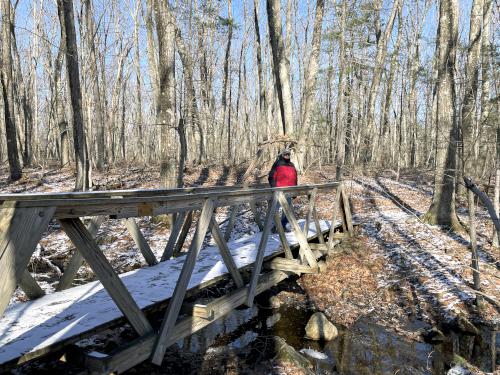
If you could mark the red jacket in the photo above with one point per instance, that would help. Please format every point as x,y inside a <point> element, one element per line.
<point>283,173</point>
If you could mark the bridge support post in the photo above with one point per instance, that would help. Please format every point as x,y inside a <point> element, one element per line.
<point>20,231</point>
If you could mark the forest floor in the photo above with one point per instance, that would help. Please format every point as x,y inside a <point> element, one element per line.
<point>396,270</point>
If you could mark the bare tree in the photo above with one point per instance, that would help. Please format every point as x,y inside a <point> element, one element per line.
<point>8,94</point>
<point>442,209</point>
<point>65,9</point>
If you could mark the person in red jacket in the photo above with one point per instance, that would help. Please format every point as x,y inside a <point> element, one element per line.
<point>283,173</point>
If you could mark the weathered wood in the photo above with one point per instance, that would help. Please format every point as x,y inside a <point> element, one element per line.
<point>20,231</point>
<point>261,249</point>
<point>225,253</point>
<point>203,311</point>
<point>281,232</point>
<point>30,286</point>
<point>140,241</point>
<point>318,246</point>
<point>347,212</point>
<point>85,244</point>
<point>134,206</point>
<point>291,265</point>
<point>318,226</point>
<point>301,238</point>
<point>231,222</point>
<point>76,260</point>
<point>310,209</point>
<point>256,215</point>
<point>174,306</point>
<point>141,349</point>
<point>188,221</point>
<point>174,234</point>
<point>333,224</point>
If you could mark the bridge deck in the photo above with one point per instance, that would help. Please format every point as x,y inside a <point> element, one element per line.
<point>30,329</point>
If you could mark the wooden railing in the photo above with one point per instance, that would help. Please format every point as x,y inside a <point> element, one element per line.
<point>25,218</point>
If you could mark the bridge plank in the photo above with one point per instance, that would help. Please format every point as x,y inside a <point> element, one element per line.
<point>174,234</point>
<point>85,244</point>
<point>20,231</point>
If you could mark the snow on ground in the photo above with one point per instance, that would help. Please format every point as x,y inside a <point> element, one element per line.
<point>30,326</point>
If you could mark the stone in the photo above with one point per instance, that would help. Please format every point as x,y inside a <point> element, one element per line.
<point>320,328</point>
<point>274,302</point>
<point>458,370</point>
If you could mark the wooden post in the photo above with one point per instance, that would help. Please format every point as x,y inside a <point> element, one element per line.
<point>76,259</point>
<point>30,286</point>
<point>20,231</point>
<point>184,232</point>
<point>140,241</point>
<point>84,243</point>
<point>346,208</point>
<point>231,222</point>
<point>304,245</point>
<point>319,232</point>
<point>225,253</point>
<point>261,249</point>
<point>310,209</point>
<point>333,223</point>
<point>281,232</point>
<point>169,249</point>
<point>175,303</point>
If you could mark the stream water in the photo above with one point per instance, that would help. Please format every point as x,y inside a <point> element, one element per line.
<point>364,348</point>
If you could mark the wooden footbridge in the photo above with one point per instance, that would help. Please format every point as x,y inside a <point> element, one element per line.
<point>51,323</point>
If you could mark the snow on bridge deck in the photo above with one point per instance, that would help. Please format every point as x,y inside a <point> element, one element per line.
<point>31,327</point>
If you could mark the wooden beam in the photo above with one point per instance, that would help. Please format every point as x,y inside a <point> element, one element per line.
<point>260,251</point>
<point>231,222</point>
<point>140,241</point>
<point>333,223</point>
<point>76,260</point>
<point>174,234</point>
<point>347,212</point>
<point>85,244</point>
<point>310,209</point>
<point>188,221</point>
<point>140,350</point>
<point>225,253</point>
<point>281,232</point>
<point>174,306</point>
<point>304,245</point>
<point>30,286</point>
<point>290,265</point>
<point>318,227</point>
<point>20,231</point>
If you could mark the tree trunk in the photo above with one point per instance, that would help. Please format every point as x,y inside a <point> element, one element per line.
<point>98,112</point>
<point>165,108</point>
<point>65,9</point>
<point>471,88</point>
<point>8,95</point>
<point>442,209</point>
<point>310,86</point>
<point>59,106</point>
<point>377,75</point>
<point>226,114</point>
<point>281,65</point>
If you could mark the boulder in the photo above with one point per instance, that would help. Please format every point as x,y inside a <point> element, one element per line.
<point>320,328</point>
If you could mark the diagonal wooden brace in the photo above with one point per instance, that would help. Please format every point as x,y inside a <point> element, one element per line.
<point>301,238</point>
<point>174,234</point>
<point>336,205</point>
<point>281,232</point>
<point>140,241</point>
<point>225,253</point>
<point>310,209</point>
<point>76,259</point>
<point>260,251</point>
<point>85,244</point>
<point>175,303</point>
<point>20,231</point>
